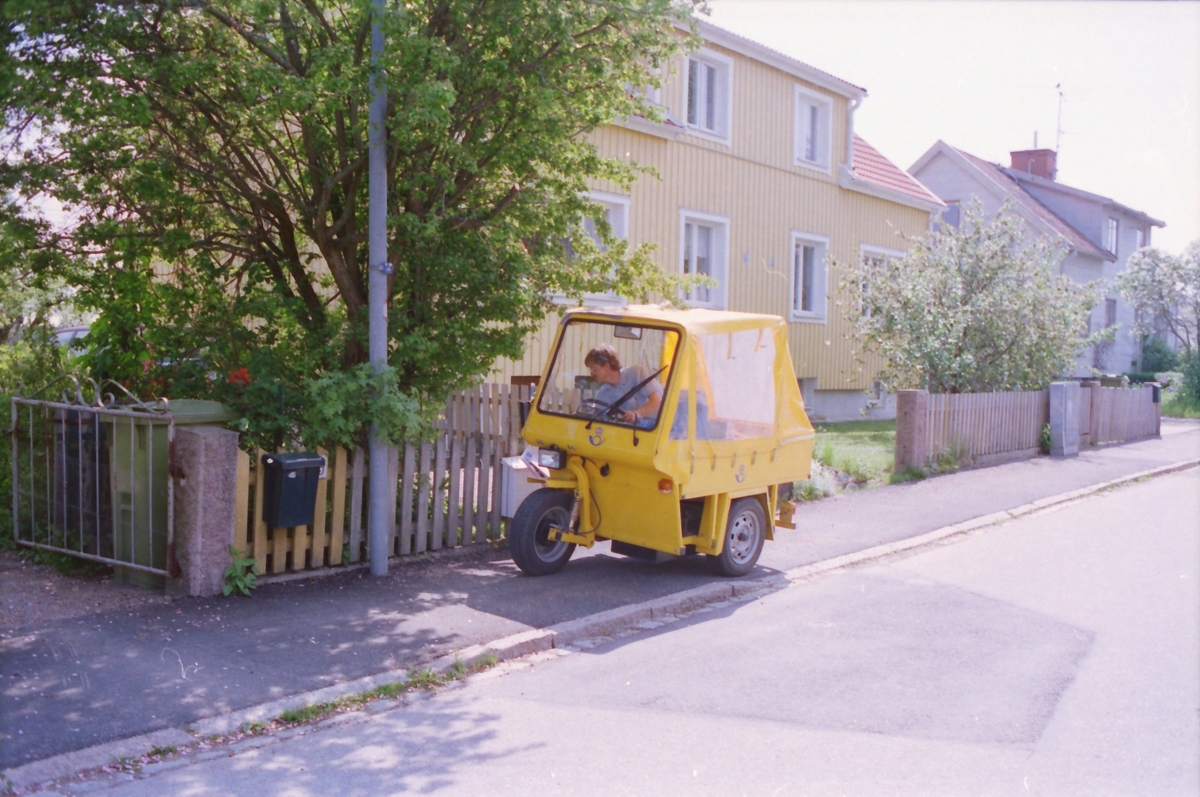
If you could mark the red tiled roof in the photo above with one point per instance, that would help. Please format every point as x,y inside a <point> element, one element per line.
<point>1000,176</point>
<point>872,167</point>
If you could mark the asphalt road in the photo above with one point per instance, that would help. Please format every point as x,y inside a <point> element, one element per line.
<point>1056,654</point>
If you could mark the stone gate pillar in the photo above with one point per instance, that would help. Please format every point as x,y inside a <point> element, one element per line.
<point>205,501</point>
<point>912,410</point>
<point>1064,419</point>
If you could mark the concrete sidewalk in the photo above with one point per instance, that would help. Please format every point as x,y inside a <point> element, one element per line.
<point>77,683</point>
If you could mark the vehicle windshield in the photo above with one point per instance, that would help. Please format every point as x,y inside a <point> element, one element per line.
<point>610,372</point>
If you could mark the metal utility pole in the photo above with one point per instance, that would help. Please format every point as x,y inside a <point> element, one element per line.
<point>379,269</point>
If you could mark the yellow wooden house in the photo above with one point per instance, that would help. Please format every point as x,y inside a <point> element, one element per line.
<point>763,186</point>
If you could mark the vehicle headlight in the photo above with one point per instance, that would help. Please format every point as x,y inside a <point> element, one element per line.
<point>552,458</point>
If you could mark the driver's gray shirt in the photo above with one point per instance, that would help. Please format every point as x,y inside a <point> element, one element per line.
<point>608,393</point>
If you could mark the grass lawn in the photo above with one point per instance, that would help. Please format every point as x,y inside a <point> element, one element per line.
<point>1173,406</point>
<point>863,449</point>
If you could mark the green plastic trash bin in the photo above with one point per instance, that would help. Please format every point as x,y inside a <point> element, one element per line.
<point>138,462</point>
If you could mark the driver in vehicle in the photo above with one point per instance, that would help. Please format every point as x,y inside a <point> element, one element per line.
<point>605,367</point>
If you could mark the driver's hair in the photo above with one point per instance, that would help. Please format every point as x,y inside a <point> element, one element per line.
<point>603,354</point>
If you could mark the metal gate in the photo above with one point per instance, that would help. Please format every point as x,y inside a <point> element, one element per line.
<point>91,478</point>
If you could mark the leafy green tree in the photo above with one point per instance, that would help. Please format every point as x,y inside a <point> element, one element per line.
<point>213,158</point>
<point>30,356</point>
<point>1165,290</point>
<point>31,300</point>
<point>974,308</point>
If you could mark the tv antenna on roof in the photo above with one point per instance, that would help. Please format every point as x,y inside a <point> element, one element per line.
<point>1058,137</point>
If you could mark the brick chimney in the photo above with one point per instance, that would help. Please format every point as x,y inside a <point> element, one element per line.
<point>1042,162</point>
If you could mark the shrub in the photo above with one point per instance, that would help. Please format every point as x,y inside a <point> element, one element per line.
<point>1190,368</point>
<point>1170,380</point>
<point>1157,356</point>
<point>25,366</point>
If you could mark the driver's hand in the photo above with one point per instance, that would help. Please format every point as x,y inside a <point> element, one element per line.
<point>629,417</point>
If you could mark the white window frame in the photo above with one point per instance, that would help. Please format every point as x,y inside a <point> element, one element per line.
<point>652,94</point>
<point>718,294</point>
<point>1112,229</point>
<point>805,100</point>
<point>866,251</point>
<point>1139,238</point>
<point>618,205</point>
<point>722,106</point>
<point>820,284</point>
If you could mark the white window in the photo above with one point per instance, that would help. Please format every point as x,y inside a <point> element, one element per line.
<point>1139,238</point>
<point>708,80</point>
<point>704,249</point>
<point>872,257</point>
<point>1110,235</point>
<point>808,277</point>
<point>616,213</point>
<point>650,92</point>
<point>813,115</point>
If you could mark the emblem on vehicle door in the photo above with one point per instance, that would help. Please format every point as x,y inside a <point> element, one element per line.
<point>596,438</point>
<point>740,476</point>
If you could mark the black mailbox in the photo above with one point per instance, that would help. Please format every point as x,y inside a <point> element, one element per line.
<point>290,492</point>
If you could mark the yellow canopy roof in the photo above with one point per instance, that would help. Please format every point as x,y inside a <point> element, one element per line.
<point>697,321</point>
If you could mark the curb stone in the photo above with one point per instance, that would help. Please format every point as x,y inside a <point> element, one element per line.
<point>601,624</point>
<point>93,757</point>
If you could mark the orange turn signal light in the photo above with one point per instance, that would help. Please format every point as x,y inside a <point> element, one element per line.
<point>665,486</point>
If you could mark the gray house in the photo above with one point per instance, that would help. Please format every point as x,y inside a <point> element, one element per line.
<point>1099,232</point>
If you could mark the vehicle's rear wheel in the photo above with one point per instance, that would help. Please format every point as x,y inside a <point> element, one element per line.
<point>528,539</point>
<point>744,535</point>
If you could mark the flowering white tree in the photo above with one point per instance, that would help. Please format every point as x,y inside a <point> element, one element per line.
<point>974,308</point>
<point>1165,289</point>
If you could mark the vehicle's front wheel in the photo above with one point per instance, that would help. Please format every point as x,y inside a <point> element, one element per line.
<point>744,535</point>
<point>528,538</point>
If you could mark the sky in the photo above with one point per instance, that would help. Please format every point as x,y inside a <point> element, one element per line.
<point>982,76</point>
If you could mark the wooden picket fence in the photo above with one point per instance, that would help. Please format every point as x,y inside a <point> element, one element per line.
<point>986,428</point>
<point>978,427</point>
<point>446,492</point>
<point>1118,414</point>
<point>300,547</point>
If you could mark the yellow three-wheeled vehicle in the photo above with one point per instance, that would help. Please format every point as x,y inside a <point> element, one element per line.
<point>668,432</point>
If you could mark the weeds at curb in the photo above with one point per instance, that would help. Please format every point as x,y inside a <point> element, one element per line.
<point>242,575</point>
<point>423,680</point>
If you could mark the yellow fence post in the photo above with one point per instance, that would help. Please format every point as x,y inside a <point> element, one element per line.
<point>337,521</point>
<point>260,528</point>
<point>319,510</point>
<point>241,516</point>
